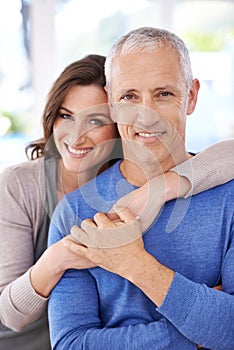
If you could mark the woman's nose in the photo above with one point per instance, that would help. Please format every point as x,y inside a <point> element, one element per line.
<point>78,131</point>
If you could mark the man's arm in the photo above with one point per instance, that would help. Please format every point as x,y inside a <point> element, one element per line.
<point>203,315</point>
<point>75,321</point>
<point>74,313</point>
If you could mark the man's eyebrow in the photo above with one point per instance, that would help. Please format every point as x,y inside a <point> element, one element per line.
<point>158,88</point>
<point>163,87</point>
<point>127,91</point>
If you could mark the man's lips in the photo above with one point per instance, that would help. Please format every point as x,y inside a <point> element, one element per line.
<point>149,134</point>
<point>149,137</point>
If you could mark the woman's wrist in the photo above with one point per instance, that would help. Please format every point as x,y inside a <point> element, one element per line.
<point>45,274</point>
<point>175,185</point>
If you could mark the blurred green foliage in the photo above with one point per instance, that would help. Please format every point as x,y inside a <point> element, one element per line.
<point>206,42</point>
<point>17,125</point>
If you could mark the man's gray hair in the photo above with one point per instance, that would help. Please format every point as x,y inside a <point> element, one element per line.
<point>147,39</point>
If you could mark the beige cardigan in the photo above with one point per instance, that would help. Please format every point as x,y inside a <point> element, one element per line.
<point>22,202</point>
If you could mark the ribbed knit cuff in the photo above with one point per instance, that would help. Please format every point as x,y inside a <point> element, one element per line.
<point>201,175</point>
<point>178,301</point>
<point>24,297</point>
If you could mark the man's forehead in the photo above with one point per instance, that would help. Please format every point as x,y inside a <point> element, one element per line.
<point>150,68</point>
<point>144,62</point>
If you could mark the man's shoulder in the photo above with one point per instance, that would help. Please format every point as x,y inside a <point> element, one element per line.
<point>104,180</point>
<point>227,187</point>
<point>219,198</point>
<point>98,194</point>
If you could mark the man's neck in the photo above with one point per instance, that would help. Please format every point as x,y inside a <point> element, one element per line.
<point>139,173</point>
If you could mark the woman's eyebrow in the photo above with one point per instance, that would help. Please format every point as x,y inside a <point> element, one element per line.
<point>96,114</point>
<point>66,109</point>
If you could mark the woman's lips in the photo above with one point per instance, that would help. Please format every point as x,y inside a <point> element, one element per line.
<point>79,151</point>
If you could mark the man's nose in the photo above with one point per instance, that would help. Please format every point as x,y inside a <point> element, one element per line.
<point>147,113</point>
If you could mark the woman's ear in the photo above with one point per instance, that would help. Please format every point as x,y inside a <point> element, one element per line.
<point>193,94</point>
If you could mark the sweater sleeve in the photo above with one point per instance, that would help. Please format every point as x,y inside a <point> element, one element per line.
<point>75,323</point>
<point>20,217</point>
<point>74,311</point>
<point>202,314</point>
<point>209,168</point>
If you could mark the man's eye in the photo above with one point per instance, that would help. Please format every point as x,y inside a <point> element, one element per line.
<point>165,93</point>
<point>128,97</point>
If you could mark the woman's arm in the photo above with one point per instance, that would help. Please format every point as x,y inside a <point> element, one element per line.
<point>211,167</point>
<point>146,201</point>
<point>24,287</point>
<point>56,259</point>
<point>18,300</point>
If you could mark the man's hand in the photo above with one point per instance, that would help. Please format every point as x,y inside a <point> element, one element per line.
<point>112,245</point>
<point>108,231</point>
<point>129,260</point>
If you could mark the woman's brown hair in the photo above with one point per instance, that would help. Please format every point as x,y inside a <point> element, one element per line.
<point>86,71</point>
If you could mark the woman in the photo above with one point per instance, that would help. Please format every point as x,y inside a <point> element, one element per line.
<point>78,138</point>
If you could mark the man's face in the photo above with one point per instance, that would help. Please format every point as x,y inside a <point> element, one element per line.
<point>150,102</point>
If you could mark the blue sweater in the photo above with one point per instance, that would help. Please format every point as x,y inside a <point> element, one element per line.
<point>96,309</point>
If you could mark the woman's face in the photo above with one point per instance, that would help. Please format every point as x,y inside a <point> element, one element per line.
<point>83,131</point>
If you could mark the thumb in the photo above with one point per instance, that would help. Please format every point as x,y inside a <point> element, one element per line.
<point>79,235</point>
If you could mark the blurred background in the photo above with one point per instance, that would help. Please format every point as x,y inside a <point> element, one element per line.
<point>38,38</point>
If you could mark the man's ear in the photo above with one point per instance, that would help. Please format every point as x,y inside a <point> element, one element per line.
<point>193,94</point>
<point>110,104</point>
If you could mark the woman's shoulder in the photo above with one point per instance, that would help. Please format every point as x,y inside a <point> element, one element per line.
<point>29,166</point>
<point>30,172</point>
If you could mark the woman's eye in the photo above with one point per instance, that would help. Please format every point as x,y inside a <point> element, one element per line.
<point>66,116</point>
<point>96,122</point>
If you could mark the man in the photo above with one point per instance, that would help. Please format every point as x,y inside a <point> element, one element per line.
<point>154,291</point>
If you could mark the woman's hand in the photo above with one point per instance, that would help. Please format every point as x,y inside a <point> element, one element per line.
<point>64,259</point>
<point>56,259</point>
<point>147,201</point>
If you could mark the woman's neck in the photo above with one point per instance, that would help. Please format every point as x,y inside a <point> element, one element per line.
<point>68,181</point>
